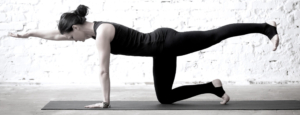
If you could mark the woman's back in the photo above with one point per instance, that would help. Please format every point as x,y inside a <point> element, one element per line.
<point>128,41</point>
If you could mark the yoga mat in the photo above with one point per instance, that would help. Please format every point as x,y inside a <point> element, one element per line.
<point>179,105</point>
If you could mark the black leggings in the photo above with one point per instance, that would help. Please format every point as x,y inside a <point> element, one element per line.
<point>181,43</point>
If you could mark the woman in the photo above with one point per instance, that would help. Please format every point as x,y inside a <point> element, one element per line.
<point>163,44</point>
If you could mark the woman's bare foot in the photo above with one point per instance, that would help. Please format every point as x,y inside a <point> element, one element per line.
<point>275,39</point>
<point>225,97</point>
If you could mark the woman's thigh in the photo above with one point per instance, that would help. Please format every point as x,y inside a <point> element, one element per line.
<point>181,43</point>
<point>164,70</point>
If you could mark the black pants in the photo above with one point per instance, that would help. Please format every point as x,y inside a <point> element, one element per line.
<point>181,43</point>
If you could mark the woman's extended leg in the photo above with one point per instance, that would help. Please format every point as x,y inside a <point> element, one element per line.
<point>164,70</point>
<point>181,43</point>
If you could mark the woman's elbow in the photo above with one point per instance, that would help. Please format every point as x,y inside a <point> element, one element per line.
<point>104,73</point>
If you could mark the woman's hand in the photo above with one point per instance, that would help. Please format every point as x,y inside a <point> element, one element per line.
<point>98,105</point>
<point>19,35</point>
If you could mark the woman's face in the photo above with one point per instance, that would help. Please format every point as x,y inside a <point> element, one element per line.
<point>76,34</point>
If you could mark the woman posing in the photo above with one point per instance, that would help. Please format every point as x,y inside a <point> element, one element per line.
<point>163,44</point>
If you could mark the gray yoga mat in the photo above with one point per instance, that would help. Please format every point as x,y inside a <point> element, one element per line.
<point>180,105</point>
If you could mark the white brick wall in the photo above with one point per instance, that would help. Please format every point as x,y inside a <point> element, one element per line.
<point>240,60</point>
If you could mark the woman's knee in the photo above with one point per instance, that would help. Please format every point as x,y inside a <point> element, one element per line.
<point>164,100</point>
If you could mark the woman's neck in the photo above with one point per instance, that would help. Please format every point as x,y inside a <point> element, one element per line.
<point>88,28</point>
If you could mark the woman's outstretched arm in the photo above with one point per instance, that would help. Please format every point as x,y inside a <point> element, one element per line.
<point>44,34</point>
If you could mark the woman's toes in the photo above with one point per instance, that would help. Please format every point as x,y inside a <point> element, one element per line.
<point>275,38</point>
<point>225,98</point>
<point>272,23</point>
<point>275,41</point>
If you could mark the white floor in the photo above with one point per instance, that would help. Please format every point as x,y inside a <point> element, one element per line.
<point>28,100</point>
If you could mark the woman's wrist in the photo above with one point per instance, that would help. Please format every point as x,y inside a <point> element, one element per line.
<point>30,33</point>
<point>106,104</point>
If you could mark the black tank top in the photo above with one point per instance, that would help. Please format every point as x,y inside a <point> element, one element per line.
<point>128,41</point>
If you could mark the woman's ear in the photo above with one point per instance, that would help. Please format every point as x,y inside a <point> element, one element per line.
<point>75,27</point>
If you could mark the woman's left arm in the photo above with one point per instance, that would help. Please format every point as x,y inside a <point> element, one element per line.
<point>103,47</point>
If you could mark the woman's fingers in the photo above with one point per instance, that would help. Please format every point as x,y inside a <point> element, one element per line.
<point>97,105</point>
<point>13,34</point>
<point>92,106</point>
<point>18,35</point>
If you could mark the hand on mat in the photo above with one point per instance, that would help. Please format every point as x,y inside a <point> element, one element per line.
<point>19,35</point>
<point>97,105</point>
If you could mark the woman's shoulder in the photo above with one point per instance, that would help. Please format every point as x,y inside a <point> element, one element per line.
<point>106,28</point>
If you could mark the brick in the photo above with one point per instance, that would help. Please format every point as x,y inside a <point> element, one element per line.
<point>197,14</point>
<point>202,5</point>
<point>234,5</point>
<point>216,5</point>
<point>17,16</point>
<point>2,1</point>
<point>7,75</point>
<point>37,75</point>
<point>146,6</point>
<point>30,26</point>
<point>296,14</point>
<point>6,8</point>
<point>169,14</point>
<point>276,14</point>
<point>109,5</point>
<point>3,34</point>
<point>297,22</point>
<point>47,25</point>
<point>297,6</point>
<point>170,23</point>
<point>142,24</point>
<point>196,23</point>
<point>21,60</point>
<point>11,26</point>
<point>262,5</point>
<point>33,2</point>
<point>25,8</point>
<point>47,7</point>
<point>3,61</point>
<point>2,17</point>
<point>290,18</point>
<point>59,9</point>
<point>50,66</point>
<point>293,31</point>
<point>288,6</point>
<point>13,42</point>
<point>168,6</point>
<point>182,6</point>
<point>223,14</point>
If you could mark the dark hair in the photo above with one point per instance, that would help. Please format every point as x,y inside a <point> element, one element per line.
<point>68,19</point>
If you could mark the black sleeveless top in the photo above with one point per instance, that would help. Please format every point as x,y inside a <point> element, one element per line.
<point>128,41</point>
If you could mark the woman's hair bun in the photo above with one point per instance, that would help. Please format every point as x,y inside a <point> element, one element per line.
<point>68,19</point>
<point>81,10</point>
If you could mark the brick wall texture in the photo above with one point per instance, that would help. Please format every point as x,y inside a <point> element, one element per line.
<point>240,60</point>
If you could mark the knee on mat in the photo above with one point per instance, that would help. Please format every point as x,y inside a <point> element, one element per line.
<point>164,100</point>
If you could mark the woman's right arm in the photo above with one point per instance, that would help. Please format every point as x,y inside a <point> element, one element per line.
<point>45,34</point>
